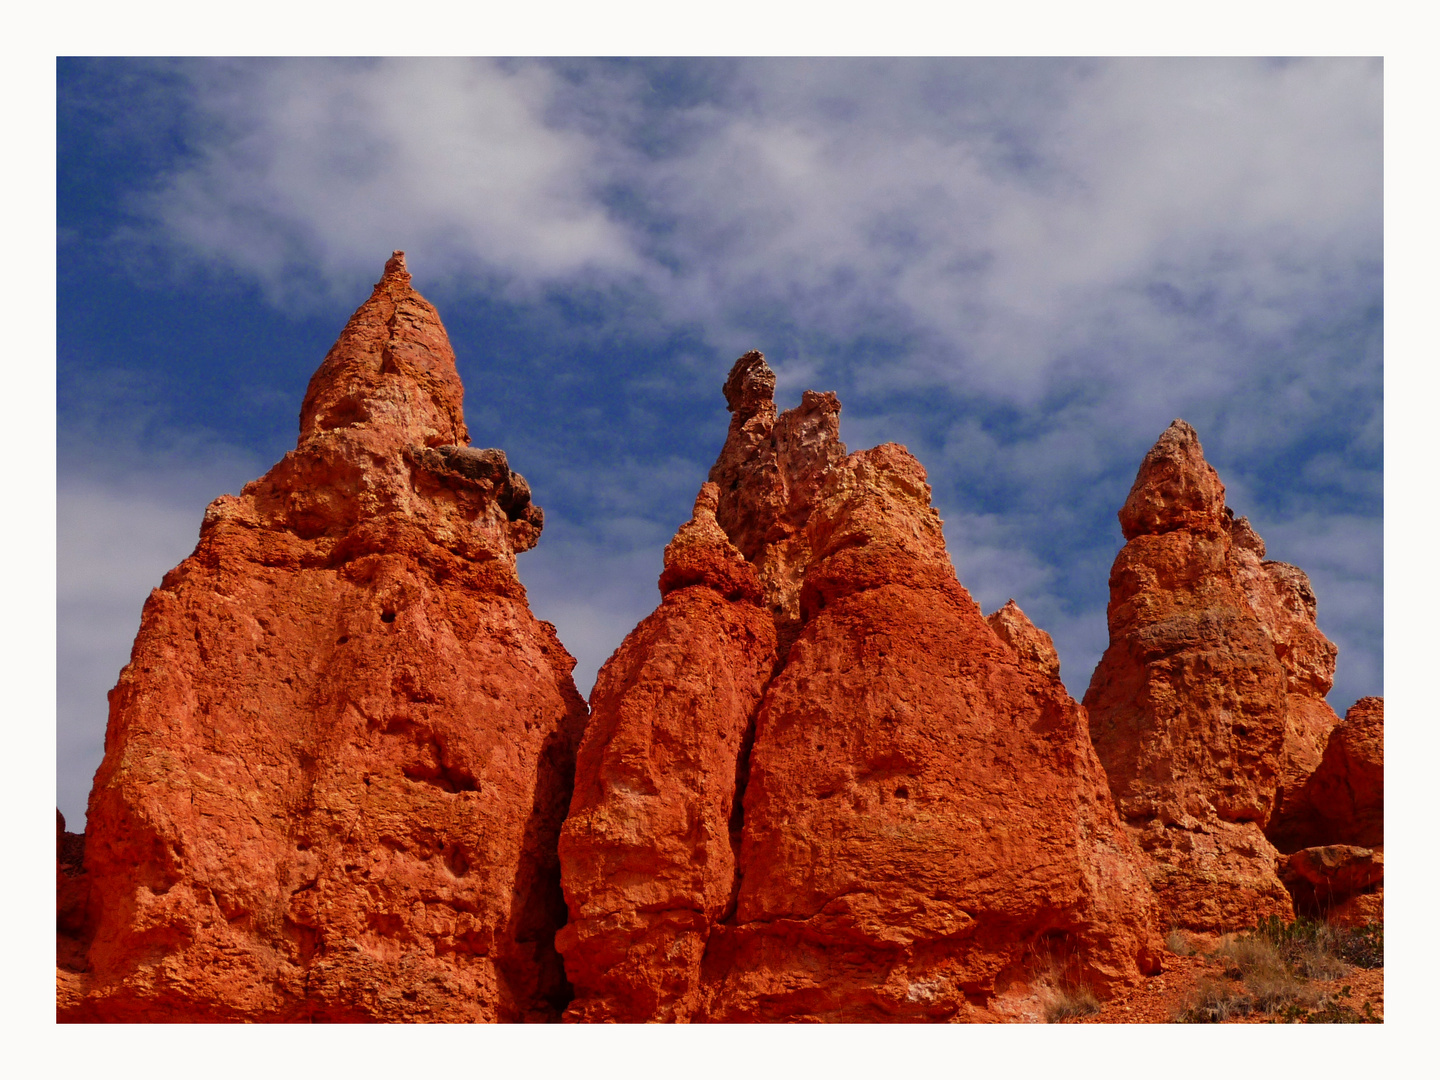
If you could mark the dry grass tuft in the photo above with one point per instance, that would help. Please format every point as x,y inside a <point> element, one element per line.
<point>1066,1001</point>
<point>1268,970</point>
<point>1213,1002</point>
<point>1178,943</point>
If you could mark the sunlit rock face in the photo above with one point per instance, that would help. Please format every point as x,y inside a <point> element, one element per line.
<point>918,823</point>
<point>1208,707</point>
<point>337,763</point>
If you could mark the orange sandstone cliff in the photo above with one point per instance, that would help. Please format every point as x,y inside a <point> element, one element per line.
<point>337,763</point>
<point>918,827</point>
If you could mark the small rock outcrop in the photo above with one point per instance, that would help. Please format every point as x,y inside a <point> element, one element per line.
<point>1207,708</point>
<point>338,760</point>
<point>1031,644</point>
<point>1347,788</point>
<point>923,826</point>
<point>1337,877</point>
<point>1335,828</point>
<point>72,902</point>
<point>1342,800</point>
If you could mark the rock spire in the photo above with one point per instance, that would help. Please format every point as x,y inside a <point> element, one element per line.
<point>1208,704</point>
<point>919,828</point>
<point>338,760</point>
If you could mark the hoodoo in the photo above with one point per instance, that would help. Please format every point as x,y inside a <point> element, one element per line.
<point>1208,707</point>
<point>919,827</point>
<point>649,846</point>
<point>348,777</point>
<point>337,763</point>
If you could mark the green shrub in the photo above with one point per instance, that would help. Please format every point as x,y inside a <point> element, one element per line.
<point>1364,947</point>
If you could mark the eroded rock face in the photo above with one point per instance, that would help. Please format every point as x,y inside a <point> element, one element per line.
<point>72,896</point>
<point>1208,707</point>
<point>1033,645</point>
<point>925,824</point>
<point>768,475</point>
<point>1342,800</point>
<point>337,763</point>
<point>1347,788</point>
<point>648,850</point>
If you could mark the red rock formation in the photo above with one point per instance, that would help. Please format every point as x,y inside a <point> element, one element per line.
<point>1030,643</point>
<point>1281,597</point>
<point>769,472</point>
<point>649,847</point>
<point>1324,878</point>
<point>1335,826</point>
<point>337,763</point>
<point>1208,707</point>
<point>925,824</point>
<point>72,895</point>
<point>1347,789</point>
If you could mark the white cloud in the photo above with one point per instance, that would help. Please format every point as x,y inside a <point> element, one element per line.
<point>319,168</point>
<point>1010,214</point>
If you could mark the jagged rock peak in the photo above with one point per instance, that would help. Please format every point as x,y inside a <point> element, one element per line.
<point>392,370</point>
<point>701,554</point>
<point>1175,488</point>
<point>750,389</point>
<point>1208,708</point>
<point>1034,646</point>
<point>382,433</point>
<point>808,810</point>
<point>395,269</point>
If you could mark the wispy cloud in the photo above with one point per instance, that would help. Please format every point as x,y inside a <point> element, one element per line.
<point>303,170</point>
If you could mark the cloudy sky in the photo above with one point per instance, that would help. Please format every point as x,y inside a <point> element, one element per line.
<point>1022,270</point>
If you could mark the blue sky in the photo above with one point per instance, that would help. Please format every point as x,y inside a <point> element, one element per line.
<point>1022,270</point>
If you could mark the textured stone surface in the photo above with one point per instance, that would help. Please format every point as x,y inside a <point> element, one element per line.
<point>1031,644</point>
<point>1347,789</point>
<point>337,763</point>
<point>1281,597</point>
<point>768,474</point>
<point>1208,705</point>
<point>648,850</point>
<point>72,896</point>
<point>1342,799</point>
<point>1340,868</point>
<point>1363,909</point>
<point>925,827</point>
<point>1328,878</point>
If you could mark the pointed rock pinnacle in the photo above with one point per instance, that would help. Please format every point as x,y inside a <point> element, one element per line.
<point>1176,488</point>
<point>392,371</point>
<point>750,387</point>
